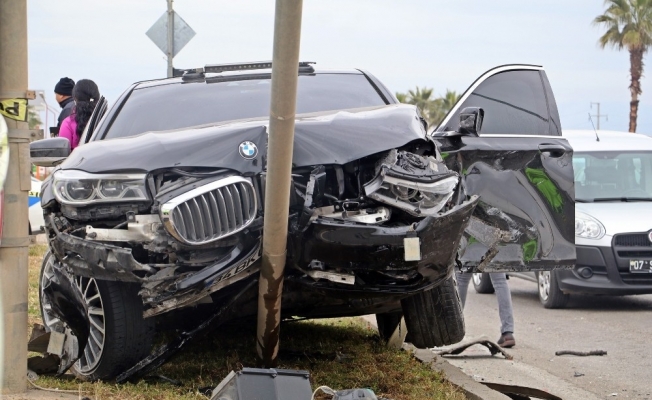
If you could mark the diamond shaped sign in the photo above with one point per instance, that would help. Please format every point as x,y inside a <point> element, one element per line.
<point>159,33</point>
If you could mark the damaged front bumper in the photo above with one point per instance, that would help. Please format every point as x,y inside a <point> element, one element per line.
<point>350,257</point>
<point>163,288</point>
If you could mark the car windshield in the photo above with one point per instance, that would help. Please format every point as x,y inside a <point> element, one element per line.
<point>175,106</point>
<point>613,176</point>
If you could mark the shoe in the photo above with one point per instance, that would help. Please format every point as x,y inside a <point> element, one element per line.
<point>506,340</point>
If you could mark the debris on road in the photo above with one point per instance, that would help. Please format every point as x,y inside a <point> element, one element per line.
<point>459,348</point>
<point>581,353</point>
<point>577,374</point>
<point>521,392</point>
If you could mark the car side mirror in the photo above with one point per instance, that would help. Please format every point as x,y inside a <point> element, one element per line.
<point>49,152</point>
<point>471,120</point>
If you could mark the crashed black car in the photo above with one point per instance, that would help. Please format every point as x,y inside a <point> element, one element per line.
<point>161,207</point>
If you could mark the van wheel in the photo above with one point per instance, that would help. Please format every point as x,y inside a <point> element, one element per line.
<point>434,318</point>
<point>119,335</point>
<point>482,283</point>
<point>549,293</point>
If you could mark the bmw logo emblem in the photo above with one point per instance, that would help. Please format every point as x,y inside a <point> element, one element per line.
<point>248,150</point>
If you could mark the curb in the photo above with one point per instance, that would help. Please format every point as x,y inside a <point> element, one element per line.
<point>471,389</point>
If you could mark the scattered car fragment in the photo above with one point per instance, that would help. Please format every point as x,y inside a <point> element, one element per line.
<point>161,207</point>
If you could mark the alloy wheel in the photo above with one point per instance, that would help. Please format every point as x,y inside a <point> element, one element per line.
<point>91,294</point>
<point>544,284</point>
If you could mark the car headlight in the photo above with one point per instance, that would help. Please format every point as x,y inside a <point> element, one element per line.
<point>417,198</point>
<point>73,187</point>
<point>588,227</point>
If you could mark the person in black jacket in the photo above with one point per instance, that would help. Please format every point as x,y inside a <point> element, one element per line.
<point>63,94</point>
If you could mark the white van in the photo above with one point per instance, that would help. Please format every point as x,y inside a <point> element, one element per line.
<point>613,221</point>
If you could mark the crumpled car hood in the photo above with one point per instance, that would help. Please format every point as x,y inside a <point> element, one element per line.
<point>334,137</point>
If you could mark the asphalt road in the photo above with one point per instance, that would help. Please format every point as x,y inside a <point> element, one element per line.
<point>622,326</point>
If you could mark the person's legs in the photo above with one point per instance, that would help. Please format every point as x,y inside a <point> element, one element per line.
<point>504,297</point>
<point>463,285</point>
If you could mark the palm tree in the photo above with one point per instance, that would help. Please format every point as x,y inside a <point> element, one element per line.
<point>628,25</point>
<point>422,98</point>
<point>449,99</point>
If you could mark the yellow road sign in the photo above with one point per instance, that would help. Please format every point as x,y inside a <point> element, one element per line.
<point>14,109</point>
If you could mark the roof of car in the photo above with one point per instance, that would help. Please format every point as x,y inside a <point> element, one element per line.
<point>585,140</point>
<point>167,81</point>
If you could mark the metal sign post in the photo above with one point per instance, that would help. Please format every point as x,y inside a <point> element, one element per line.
<point>285,64</point>
<point>15,242</point>
<point>170,33</point>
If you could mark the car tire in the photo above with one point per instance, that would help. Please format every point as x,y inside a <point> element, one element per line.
<point>549,293</point>
<point>434,318</point>
<point>118,310</point>
<point>482,283</point>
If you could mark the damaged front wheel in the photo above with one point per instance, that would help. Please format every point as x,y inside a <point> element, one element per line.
<point>119,335</point>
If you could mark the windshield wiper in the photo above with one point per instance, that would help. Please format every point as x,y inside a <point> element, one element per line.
<point>625,199</point>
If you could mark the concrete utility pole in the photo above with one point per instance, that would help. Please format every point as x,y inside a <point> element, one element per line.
<point>170,38</point>
<point>285,65</point>
<point>598,116</point>
<point>15,242</point>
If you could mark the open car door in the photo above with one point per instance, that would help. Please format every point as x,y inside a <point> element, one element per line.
<point>519,165</point>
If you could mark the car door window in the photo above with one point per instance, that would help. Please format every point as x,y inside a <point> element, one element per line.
<point>514,102</point>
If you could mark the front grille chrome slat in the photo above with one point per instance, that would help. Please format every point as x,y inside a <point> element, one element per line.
<point>215,213</point>
<point>208,217</point>
<point>246,211</point>
<point>224,219</point>
<point>237,204</point>
<point>228,198</point>
<point>212,211</point>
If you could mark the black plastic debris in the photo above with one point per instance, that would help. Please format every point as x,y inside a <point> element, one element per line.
<point>460,347</point>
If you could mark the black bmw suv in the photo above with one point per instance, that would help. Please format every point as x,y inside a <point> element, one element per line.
<point>161,206</point>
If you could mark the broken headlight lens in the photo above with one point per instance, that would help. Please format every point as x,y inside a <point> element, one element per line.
<point>81,188</point>
<point>417,198</point>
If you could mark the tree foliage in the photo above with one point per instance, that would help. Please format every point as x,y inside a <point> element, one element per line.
<point>33,118</point>
<point>628,25</point>
<point>434,109</point>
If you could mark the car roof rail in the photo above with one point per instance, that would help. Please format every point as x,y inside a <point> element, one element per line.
<point>198,73</point>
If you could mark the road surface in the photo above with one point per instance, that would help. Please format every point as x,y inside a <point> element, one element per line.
<point>622,326</point>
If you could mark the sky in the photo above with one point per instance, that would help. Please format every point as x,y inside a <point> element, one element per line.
<point>442,44</point>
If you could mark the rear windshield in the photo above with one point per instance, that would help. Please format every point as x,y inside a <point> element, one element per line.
<point>604,176</point>
<point>183,105</point>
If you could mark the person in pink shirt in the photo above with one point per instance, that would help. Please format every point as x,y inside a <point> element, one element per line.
<point>86,94</point>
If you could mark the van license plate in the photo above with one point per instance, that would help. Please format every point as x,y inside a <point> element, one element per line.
<point>640,266</point>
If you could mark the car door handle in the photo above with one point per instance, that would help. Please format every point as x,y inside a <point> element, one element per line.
<point>554,150</point>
